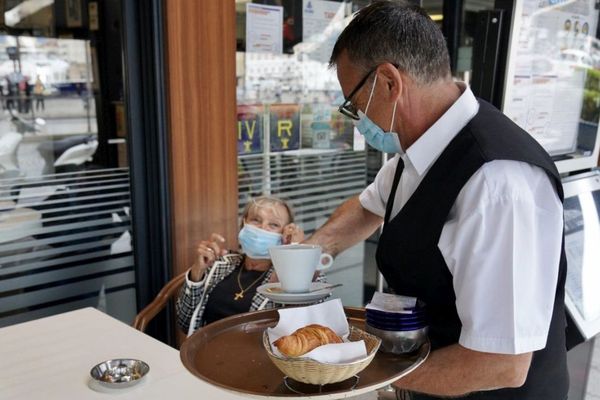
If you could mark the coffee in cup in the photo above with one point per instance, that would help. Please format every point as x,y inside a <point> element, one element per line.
<point>295,265</point>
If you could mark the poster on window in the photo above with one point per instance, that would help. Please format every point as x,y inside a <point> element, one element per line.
<point>551,87</point>
<point>250,129</point>
<point>284,120</point>
<point>322,23</point>
<point>264,28</point>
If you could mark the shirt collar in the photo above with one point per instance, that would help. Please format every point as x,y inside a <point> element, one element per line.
<point>423,153</point>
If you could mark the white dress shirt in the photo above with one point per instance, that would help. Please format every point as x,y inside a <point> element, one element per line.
<point>501,241</point>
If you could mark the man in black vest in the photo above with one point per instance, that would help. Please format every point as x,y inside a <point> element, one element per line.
<point>472,213</point>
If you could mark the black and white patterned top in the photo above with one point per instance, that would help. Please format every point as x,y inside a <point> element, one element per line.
<point>194,296</point>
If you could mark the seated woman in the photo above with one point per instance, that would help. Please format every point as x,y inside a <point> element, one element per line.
<point>222,283</point>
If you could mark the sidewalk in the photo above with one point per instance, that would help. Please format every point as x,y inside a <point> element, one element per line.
<point>57,108</point>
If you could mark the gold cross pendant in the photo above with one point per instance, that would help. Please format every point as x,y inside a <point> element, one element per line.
<point>239,295</point>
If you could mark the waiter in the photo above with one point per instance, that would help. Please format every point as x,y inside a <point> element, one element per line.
<point>472,213</point>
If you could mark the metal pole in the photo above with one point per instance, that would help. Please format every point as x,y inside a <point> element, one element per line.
<point>18,53</point>
<point>88,86</point>
<point>266,154</point>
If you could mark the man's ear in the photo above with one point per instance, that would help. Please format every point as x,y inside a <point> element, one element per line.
<point>392,81</point>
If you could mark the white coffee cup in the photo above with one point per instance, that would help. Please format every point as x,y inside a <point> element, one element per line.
<point>295,265</point>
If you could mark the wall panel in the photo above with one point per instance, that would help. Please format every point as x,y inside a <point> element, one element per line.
<point>202,113</point>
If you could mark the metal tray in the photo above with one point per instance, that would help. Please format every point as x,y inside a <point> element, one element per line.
<point>229,354</point>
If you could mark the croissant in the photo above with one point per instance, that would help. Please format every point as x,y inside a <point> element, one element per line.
<point>306,339</point>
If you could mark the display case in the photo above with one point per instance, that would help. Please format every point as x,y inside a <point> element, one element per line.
<point>582,235</point>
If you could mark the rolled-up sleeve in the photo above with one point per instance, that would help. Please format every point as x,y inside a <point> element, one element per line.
<point>375,196</point>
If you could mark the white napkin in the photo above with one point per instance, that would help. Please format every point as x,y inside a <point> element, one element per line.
<point>392,303</point>
<point>330,314</point>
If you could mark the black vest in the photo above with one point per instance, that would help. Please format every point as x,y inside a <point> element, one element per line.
<point>409,258</point>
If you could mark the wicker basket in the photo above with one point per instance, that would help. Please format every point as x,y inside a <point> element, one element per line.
<point>306,370</point>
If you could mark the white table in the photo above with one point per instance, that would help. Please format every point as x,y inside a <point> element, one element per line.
<point>51,358</point>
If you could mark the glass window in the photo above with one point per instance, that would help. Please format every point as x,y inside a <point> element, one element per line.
<point>292,141</point>
<point>65,231</point>
<point>464,62</point>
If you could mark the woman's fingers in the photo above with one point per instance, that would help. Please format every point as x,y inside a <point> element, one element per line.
<point>215,237</point>
<point>288,230</point>
<point>217,242</point>
<point>292,233</point>
<point>206,254</point>
<point>205,258</point>
<point>274,278</point>
<point>212,249</point>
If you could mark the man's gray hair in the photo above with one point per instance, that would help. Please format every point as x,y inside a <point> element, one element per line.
<point>399,33</point>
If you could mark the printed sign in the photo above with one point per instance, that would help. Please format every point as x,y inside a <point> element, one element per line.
<point>285,127</point>
<point>551,56</point>
<point>323,21</point>
<point>250,129</point>
<point>264,28</point>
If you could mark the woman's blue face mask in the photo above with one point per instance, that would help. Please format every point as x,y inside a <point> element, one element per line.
<point>387,142</point>
<point>256,242</point>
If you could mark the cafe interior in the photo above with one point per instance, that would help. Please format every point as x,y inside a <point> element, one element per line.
<point>133,132</point>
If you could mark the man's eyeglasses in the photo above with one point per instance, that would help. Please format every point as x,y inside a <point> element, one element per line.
<point>347,108</point>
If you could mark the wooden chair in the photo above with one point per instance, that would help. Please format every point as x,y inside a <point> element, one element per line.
<point>170,290</point>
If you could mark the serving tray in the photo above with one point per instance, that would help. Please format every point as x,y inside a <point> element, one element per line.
<point>229,354</point>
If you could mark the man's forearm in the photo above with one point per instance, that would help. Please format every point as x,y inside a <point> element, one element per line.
<point>349,224</point>
<point>457,371</point>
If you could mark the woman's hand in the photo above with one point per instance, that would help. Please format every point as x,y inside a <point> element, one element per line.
<point>208,251</point>
<point>292,233</point>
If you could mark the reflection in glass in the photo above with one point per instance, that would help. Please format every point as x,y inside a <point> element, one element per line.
<point>582,235</point>
<point>292,141</point>
<point>65,238</point>
<point>29,14</point>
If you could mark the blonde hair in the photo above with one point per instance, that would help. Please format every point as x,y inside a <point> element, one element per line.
<point>266,202</point>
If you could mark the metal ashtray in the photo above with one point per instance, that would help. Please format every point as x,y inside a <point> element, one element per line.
<point>119,373</point>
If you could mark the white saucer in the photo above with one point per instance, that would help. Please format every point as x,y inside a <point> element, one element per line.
<point>320,292</point>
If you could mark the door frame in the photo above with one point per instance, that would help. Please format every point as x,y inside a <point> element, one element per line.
<point>148,151</point>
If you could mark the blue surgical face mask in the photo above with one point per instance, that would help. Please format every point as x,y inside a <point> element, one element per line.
<point>256,242</point>
<point>387,142</point>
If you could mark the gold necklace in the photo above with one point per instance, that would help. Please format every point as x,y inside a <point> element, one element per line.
<point>240,294</point>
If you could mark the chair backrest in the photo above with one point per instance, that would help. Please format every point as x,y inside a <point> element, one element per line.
<point>171,289</point>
